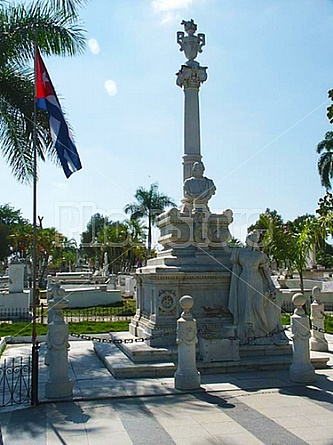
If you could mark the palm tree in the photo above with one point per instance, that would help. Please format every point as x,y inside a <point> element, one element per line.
<point>54,27</point>
<point>149,204</point>
<point>325,162</point>
<point>301,240</point>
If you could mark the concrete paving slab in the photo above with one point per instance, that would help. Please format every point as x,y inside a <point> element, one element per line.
<point>253,408</point>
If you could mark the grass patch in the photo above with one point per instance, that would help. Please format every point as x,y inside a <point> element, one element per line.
<point>328,324</point>
<point>91,327</point>
<point>127,307</point>
<point>86,327</point>
<point>285,318</point>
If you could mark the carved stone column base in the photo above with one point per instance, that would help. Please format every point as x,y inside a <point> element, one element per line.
<point>58,390</point>
<point>302,373</point>
<point>186,381</point>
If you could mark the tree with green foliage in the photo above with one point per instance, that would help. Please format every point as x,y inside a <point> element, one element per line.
<point>324,252</point>
<point>325,162</point>
<point>288,244</point>
<point>122,244</point>
<point>54,26</point>
<point>330,108</point>
<point>94,226</point>
<point>301,238</point>
<point>12,232</point>
<point>325,212</point>
<point>271,227</point>
<point>149,203</point>
<point>123,241</point>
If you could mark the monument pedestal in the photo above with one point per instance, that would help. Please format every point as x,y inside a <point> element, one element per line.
<point>183,268</point>
<point>192,263</point>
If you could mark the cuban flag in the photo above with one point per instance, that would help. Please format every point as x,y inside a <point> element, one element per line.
<point>61,135</point>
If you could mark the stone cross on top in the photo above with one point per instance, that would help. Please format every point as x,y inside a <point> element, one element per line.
<point>190,44</point>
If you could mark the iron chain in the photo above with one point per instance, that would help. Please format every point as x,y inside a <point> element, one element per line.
<point>118,340</point>
<point>248,339</point>
<point>315,328</point>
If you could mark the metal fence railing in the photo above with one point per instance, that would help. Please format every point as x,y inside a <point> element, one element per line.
<point>288,306</point>
<point>124,311</point>
<point>15,381</point>
<point>14,314</point>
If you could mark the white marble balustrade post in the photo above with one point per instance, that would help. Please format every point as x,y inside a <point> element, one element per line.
<point>58,384</point>
<point>318,341</point>
<point>187,376</point>
<point>301,370</point>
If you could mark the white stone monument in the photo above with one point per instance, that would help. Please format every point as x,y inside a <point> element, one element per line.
<point>253,297</point>
<point>58,384</point>
<point>301,370</point>
<point>105,271</point>
<point>16,276</point>
<point>195,259</point>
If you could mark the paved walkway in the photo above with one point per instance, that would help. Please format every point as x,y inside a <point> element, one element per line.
<point>240,408</point>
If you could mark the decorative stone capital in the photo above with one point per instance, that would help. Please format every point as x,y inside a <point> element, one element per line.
<point>191,77</point>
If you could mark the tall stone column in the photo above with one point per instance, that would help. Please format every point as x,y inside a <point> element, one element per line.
<point>190,77</point>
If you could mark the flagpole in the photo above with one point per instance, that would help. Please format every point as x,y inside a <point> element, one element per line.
<point>35,346</point>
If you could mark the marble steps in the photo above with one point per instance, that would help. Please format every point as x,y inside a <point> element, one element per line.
<point>120,362</point>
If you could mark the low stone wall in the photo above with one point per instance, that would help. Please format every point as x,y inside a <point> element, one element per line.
<point>14,304</point>
<point>287,294</point>
<point>85,297</point>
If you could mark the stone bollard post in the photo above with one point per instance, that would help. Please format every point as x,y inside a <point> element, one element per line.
<point>301,370</point>
<point>58,384</point>
<point>318,341</point>
<point>187,376</point>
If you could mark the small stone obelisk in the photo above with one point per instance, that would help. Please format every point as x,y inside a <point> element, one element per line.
<point>190,77</point>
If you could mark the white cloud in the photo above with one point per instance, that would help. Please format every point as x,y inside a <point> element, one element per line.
<point>170,17</point>
<point>170,5</point>
<point>110,87</point>
<point>60,185</point>
<point>94,46</point>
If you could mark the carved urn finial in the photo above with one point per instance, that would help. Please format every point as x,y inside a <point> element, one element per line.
<point>190,44</point>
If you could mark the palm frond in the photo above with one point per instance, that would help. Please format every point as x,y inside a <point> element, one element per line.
<point>16,122</point>
<point>325,169</point>
<point>326,143</point>
<point>53,31</point>
<point>69,6</point>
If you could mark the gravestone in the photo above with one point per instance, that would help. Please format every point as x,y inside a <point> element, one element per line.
<point>16,276</point>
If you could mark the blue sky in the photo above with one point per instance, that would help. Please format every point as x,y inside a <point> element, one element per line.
<point>262,109</point>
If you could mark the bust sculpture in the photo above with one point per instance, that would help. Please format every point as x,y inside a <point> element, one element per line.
<point>197,190</point>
